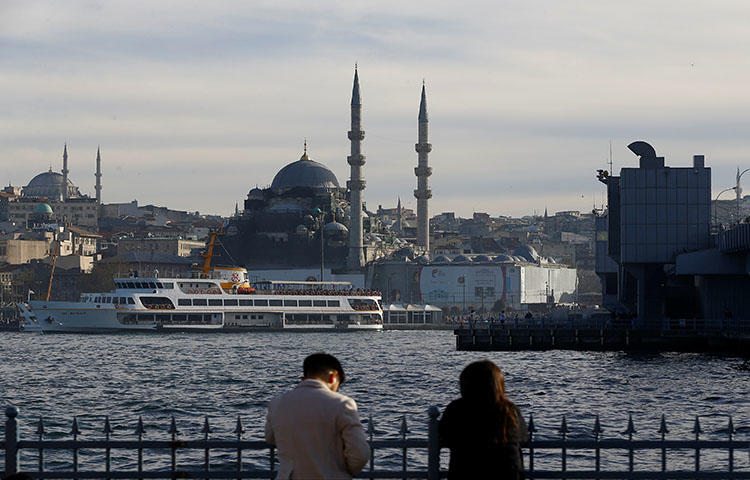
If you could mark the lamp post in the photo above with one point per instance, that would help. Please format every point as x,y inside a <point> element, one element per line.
<point>319,214</point>
<point>716,200</point>
<point>738,190</point>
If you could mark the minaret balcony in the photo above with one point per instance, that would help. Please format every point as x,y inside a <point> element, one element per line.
<point>356,135</point>
<point>423,147</point>
<point>355,185</point>
<point>423,194</point>
<point>356,160</point>
<point>423,171</point>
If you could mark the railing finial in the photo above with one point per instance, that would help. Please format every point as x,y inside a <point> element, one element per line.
<point>173,427</point>
<point>531,428</point>
<point>11,412</point>
<point>404,427</point>
<point>631,428</point>
<point>238,426</point>
<point>107,427</point>
<point>206,428</point>
<point>40,427</point>
<point>663,426</point>
<point>732,430</point>
<point>597,427</point>
<point>74,429</point>
<point>697,426</point>
<point>564,426</point>
<point>139,428</point>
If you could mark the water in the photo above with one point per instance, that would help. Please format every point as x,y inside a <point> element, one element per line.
<point>389,374</point>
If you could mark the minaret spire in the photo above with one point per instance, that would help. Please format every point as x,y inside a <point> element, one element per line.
<point>423,172</point>
<point>64,193</point>
<point>355,260</point>
<point>98,176</point>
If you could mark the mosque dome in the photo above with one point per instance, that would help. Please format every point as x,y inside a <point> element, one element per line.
<point>335,228</point>
<point>502,258</point>
<point>255,194</point>
<point>43,208</point>
<point>527,252</point>
<point>481,259</point>
<point>442,259</point>
<point>49,184</point>
<point>304,173</point>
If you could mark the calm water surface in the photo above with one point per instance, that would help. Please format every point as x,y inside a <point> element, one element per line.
<point>389,374</point>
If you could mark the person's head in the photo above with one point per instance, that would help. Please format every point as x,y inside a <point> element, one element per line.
<point>324,367</point>
<point>482,382</point>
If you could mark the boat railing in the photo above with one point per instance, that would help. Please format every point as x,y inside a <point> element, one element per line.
<point>360,292</point>
<point>571,452</point>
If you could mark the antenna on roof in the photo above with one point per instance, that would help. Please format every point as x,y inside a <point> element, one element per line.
<point>611,171</point>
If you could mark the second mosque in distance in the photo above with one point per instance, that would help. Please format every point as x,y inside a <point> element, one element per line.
<point>281,226</point>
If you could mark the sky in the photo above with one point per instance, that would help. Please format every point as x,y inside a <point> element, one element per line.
<point>195,103</point>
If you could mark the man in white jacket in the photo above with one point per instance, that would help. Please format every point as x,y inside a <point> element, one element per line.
<point>316,430</point>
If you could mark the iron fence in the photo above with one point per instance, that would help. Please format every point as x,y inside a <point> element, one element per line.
<point>557,457</point>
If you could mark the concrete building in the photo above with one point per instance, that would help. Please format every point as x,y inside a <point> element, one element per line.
<point>16,249</point>
<point>166,246</point>
<point>656,213</point>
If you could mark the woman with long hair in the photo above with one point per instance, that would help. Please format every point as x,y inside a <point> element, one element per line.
<point>483,429</point>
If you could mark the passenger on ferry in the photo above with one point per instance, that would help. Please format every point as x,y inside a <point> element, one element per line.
<point>483,429</point>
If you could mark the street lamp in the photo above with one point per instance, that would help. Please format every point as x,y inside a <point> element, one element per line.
<point>716,206</point>
<point>738,190</point>
<point>319,214</point>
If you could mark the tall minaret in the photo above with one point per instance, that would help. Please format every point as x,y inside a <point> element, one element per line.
<point>65,172</point>
<point>423,172</point>
<point>356,260</point>
<point>98,176</point>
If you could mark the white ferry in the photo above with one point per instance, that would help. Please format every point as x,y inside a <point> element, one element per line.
<point>221,300</point>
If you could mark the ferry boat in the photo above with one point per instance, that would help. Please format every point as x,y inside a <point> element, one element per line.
<point>224,301</point>
<point>214,299</point>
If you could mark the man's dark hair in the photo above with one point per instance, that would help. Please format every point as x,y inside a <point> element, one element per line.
<point>318,364</point>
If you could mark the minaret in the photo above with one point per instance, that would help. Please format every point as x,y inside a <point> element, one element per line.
<point>98,176</point>
<point>400,218</point>
<point>356,260</point>
<point>423,172</point>
<point>65,172</point>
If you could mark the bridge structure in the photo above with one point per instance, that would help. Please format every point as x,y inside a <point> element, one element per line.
<point>118,452</point>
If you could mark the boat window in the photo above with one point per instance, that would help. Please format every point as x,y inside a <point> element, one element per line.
<point>246,303</point>
<point>305,303</point>
<point>131,301</point>
<point>215,302</point>
<point>179,318</point>
<point>151,285</point>
<point>274,303</point>
<point>108,300</point>
<point>260,317</point>
<point>244,317</point>
<point>261,303</point>
<point>98,299</point>
<point>123,300</point>
<point>126,318</point>
<point>195,319</point>
<point>200,301</point>
<point>230,302</point>
<point>145,317</point>
<point>163,318</point>
<point>183,302</point>
<point>167,285</point>
<point>319,303</point>
<point>130,285</point>
<point>290,303</point>
<point>333,303</point>
<point>159,285</point>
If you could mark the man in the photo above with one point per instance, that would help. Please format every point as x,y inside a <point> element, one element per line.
<point>317,430</point>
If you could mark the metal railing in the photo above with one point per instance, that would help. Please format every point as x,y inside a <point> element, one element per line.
<point>627,458</point>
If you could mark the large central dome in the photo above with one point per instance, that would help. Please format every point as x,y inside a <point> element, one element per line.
<point>304,173</point>
<point>49,184</point>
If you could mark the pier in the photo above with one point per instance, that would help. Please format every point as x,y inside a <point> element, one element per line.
<point>669,336</point>
<point>86,451</point>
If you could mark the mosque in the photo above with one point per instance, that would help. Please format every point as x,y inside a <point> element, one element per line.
<point>55,195</point>
<point>282,225</point>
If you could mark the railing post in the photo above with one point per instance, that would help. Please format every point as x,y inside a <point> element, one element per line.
<point>433,444</point>
<point>11,441</point>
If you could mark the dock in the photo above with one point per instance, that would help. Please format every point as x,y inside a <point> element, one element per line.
<point>509,338</point>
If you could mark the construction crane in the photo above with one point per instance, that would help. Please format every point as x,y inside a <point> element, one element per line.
<point>54,254</point>
<point>206,268</point>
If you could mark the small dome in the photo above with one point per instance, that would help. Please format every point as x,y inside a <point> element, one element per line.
<point>481,259</point>
<point>502,258</point>
<point>304,173</point>
<point>461,259</point>
<point>442,259</point>
<point>422,259</point>
<point>527,252</point>
<point>255,194</point>
<point>335,228</point>
<point>43,208</point>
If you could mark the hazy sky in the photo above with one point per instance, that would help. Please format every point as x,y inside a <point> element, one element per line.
<point>194,103</point>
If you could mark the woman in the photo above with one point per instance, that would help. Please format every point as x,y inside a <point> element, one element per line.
<point>483,429</point>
